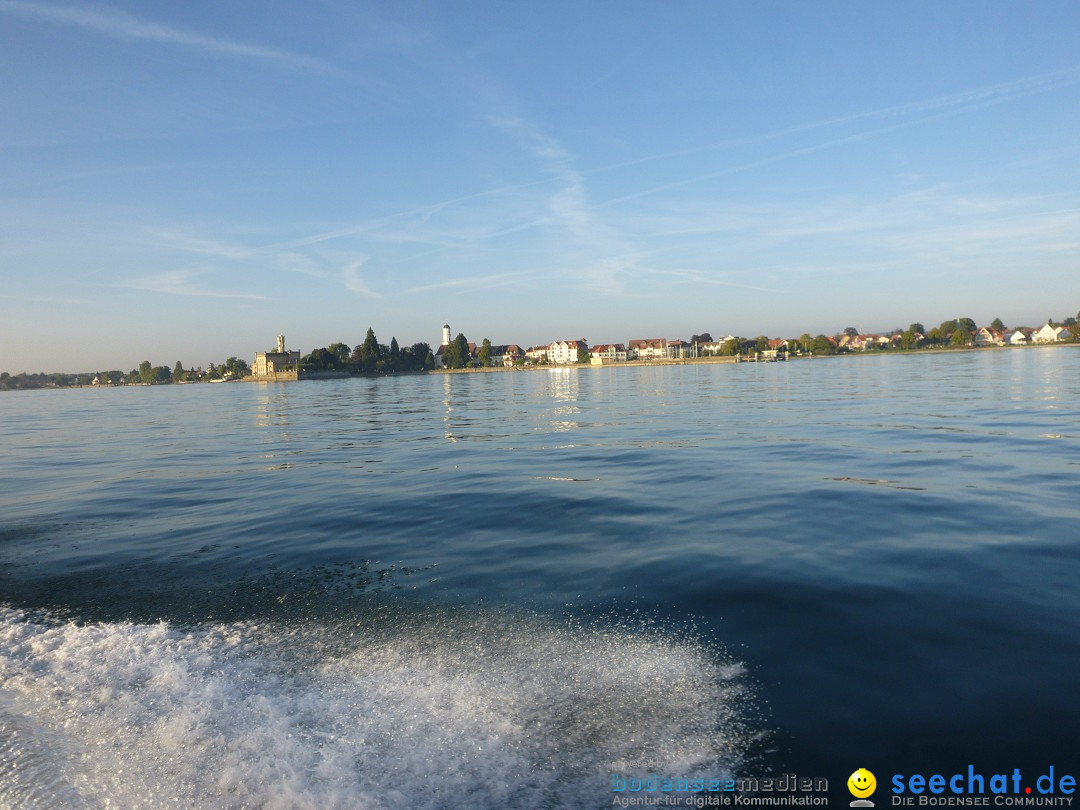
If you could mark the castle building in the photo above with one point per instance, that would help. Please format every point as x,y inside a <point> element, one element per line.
<point>272,363</point>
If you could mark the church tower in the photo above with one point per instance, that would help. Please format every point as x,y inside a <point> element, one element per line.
<point>446,334</point>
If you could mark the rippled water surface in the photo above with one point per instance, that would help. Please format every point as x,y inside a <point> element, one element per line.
<point>497,590</point>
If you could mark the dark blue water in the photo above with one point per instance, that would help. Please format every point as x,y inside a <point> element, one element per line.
<point>497,590</point>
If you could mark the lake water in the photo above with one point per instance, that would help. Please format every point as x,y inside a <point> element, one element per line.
<point>500,590</point>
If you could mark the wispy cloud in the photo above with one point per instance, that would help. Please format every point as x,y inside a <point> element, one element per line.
<point>568,205</point>
<point>350,276</point>
<point>472,282</point>
<point>179,282</point>
<point>244,255</point>
<point>696,278</point>
<point>197,244</point>
<point>34,299</point>
<point>923,110</point>
<point>119,24</point>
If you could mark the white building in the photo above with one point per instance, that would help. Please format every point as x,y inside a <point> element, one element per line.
<point>1049,334</point>
<point>561,352</point>
<point>988,337</point>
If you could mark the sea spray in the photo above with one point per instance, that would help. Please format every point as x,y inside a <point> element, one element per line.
<point>405,707</point>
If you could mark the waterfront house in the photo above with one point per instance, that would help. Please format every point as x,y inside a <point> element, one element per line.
<point>1049,334</point>
<point>505,355</point>
<point>566,351</point>
<point>649,348</point>
<point>537,354</point>
<point>608,353</point>
<point>1018,337</point>
<point>988,337</point>
<point>717,346</point>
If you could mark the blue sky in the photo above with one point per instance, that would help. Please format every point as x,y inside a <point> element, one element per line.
<point>184,181</point>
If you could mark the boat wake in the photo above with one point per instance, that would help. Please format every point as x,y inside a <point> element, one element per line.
<point>404,707</point>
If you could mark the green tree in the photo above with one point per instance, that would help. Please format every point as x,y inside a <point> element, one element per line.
<point>237,368</point>
<point>484,355</point>
<point>395,355</point>
<point>462,354</point>
<point>967,324</point>
<point>730,348</point>
<point>341,351</point>
<point>822,345</point>
<point>366,356</point>
<point>583,356</point>
<point>917,327</point>
<point>146,372</point>
<point>178,372</point>
<point>961,337</point>
<point>419,355</point>
<point>761,343</point>
<point>997,324</point>
<point>318,360</point>
<point>908,340</point>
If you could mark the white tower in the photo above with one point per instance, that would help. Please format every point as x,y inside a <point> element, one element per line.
<point>281,344</point>
<point>446,334</point>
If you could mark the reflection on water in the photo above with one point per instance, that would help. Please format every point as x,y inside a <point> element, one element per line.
<point>448,390</point>
<point>562,389</point>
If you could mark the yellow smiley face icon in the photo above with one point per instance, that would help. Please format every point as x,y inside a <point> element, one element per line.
<point>861,783</point>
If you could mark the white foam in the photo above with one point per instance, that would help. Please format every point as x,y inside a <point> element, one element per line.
<point>430,710</point>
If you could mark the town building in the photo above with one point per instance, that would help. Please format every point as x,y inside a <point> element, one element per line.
<point>608,353</point>
<point>648,348</point>
<point>986,336</point>
<point>505,355</point>
<point>561,352</point>
<point>1049,334</point>
<point>537,354</point>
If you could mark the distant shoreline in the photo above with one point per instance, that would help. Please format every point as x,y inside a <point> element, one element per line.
<point>689,361</point>
<point>732,360</point>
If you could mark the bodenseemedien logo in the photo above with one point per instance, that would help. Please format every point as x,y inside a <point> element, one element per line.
<point>862,784</point>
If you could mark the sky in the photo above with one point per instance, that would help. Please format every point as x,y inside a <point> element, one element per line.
<point>185,181</point>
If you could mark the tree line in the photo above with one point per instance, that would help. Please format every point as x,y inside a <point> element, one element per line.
<point>370,357</point>
<point>145,374</point>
